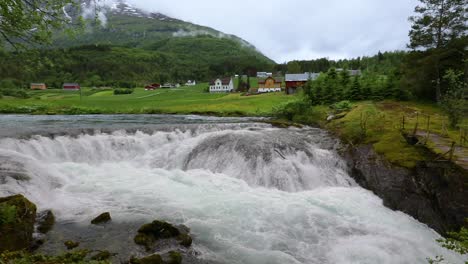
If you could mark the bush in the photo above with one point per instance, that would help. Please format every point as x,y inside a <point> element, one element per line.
<point>342,106</point>
<point>290,109</point>
<point>123,91</point>
<point>14,93</point>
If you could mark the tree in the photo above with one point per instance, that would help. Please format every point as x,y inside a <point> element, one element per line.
<point>355,90</point>
<point>294,67</point>
<point>454,102</point>
<point>438,23</point>
<point>31,22</point>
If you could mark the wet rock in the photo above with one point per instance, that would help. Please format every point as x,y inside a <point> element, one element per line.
<point>102,255</point>
<point>153,259</point>
<point>71,244</point>
<point>17,218</point>
<point>150,233</point>
<point>173,257</point>
<point>185,240</point>
<point>101,219</point>
<point>434,193</point>
<point>45,220</point>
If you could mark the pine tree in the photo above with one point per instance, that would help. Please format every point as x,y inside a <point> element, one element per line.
<point>437,23</point>
<point>355,90</point>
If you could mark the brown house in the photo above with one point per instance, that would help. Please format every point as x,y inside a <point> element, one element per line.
<point>269,84</point>
<point>38,86</point>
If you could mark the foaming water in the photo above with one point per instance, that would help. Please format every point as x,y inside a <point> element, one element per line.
<point>249,192</point>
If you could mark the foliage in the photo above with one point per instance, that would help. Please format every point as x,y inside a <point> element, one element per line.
<point>294,67</point>
<point>288,110</point>
<point>437,23</point>
<point>454,101</point>
<point>75,257</point>
<point>342,106</point>
<point>123,91</point>
<point>20,17</point>
<point>7,214</point>
<point>455,241</point>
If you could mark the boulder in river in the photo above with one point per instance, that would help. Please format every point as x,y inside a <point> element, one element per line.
<point>158,231</point>
<point>71,244</point>
<point>101,219</point>
<point>45,220</point>
<point>17,217</point>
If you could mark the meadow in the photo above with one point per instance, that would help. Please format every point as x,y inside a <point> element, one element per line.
<point>183,100</point>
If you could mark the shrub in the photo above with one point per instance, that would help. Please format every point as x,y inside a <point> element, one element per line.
<point>290,109</point>
<point>342,106</point>
<point>123,91</point>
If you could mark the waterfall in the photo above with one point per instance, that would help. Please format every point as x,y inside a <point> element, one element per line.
<point>249,192</point>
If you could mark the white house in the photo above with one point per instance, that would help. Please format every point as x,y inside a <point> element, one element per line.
<point>191,83</point>
<point>225,85</point>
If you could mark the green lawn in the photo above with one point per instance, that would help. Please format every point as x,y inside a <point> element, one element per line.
<point>184,100</point>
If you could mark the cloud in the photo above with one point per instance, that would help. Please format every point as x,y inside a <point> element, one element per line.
<point>300,29</point>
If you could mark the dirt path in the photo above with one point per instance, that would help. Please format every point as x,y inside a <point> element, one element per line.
<point>443,144</point>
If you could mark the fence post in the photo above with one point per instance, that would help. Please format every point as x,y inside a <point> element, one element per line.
<point>427,129</point>
<point>452,150</point>
<point>416,126</point>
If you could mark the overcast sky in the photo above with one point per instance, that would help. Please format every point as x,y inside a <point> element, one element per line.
<point>300,29</point>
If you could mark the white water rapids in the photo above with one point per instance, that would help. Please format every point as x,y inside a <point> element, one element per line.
<point>250,193</point>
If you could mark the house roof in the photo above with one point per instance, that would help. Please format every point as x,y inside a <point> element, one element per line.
<point>37,83</point>
<point>224,81</point>
<point>301,77</point>
<point>277,80</point>
<point>71,84</point>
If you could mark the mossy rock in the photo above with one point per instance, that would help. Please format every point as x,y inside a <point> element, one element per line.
<point>102,255</point>
<point>71,244</point>
<point>149,233</point>
<point>17,218</point>
<point>101,219</point>
<point>153,259</point>
<point>174,257</point>
<point>185,240</point>
<point>45,221</point>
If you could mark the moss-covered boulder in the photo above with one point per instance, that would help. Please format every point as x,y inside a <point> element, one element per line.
<point>174,257</point>
<point>101,219</point>
<point>149,233</point>
<point>17,218</point>
<point>153,259</point>
<point>185,240</point>
<point>102,255</point>
<point>45,221</point>
<point>71,244</point>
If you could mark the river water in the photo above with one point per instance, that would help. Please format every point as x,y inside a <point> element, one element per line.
<point>250,193</point>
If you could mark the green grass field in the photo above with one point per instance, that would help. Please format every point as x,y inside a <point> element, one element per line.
<point>184,100</point>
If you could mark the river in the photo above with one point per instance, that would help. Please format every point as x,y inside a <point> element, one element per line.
<point>250,193</point>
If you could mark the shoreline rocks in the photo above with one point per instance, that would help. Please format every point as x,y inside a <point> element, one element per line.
<point>434,193</point>
<point>101,219</point>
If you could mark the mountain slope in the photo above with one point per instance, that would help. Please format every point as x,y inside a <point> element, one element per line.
<point>125,25</point>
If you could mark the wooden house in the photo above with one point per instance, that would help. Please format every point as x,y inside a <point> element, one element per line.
<point>269,84</point>
<point>295,81</point>
<point>71,87</point>
<point>38,86</point>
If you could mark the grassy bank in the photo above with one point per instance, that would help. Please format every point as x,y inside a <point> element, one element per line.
<point>380,124</point>
<point>184,100</point>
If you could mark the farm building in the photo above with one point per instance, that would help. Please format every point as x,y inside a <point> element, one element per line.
<point>71,87</point>
<point>269,84</point>
<point>152,87</point>
<point>191,83</point>
<point>225,85</point>
<point>170,85</point>
<point>295,81</point>
<point>38,86</point>
<point>351,72</point>
<point>264,74</point>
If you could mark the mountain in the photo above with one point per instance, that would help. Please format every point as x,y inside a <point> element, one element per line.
<point>122,23</point>
<point>131,47</point>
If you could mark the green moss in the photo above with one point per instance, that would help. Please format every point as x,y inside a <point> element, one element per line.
<point>102,255</point>
<point>153,259</point>
<point>18,216</point>
<point>175,257</point>
<point>20,257</point>
<point>185,240</point>
<point>71,244</point>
